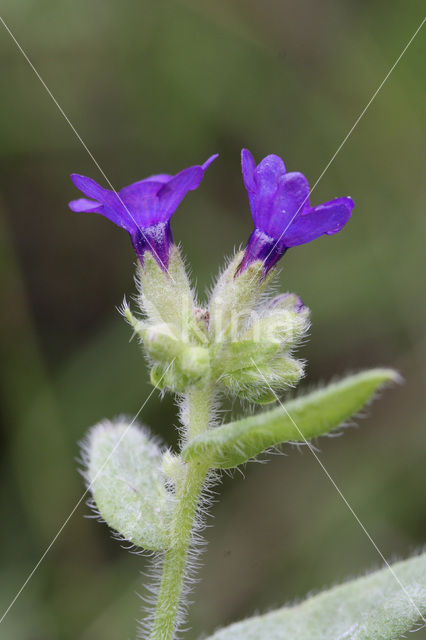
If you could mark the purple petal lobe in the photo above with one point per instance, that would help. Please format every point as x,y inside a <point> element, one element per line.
<point>84,205</point>
<point>88,186</point>
<point>172,193</point>
<point>269,171</point>
<point>328,218</point>
<point>248,166</point>
<point>110,203</point>
<point>159,177</point>
<point>293,193</point>
<point>289,201</point>
<point>267,177</point>
<point>208,162</point>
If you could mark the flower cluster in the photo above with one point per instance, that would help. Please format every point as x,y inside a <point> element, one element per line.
<point>242,342</point>
<point>279,202</point>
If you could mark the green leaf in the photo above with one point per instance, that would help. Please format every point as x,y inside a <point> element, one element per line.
<point>375,607</point>
<point>124,473</point>
<point>314,414</point>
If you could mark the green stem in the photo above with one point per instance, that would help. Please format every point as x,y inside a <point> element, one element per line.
<point>187,496</point>
<point>200,401</point>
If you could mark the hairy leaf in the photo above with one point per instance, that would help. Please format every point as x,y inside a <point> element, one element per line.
<point>381,606</point>
<point>302,418</point>
<point>124,474</point>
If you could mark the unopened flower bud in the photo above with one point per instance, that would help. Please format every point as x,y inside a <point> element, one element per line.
<point>283,325</point>
<point>194,362</point>
<point>261,384</point>
<point>234,299</point>
<point>161,342</point>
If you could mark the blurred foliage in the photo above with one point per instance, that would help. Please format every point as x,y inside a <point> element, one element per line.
<point>155,87</point>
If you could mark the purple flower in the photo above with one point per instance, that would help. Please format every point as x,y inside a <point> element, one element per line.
<point>282,215</point>
<point>144,208</point>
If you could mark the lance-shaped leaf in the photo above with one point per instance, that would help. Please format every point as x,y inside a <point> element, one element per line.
<point>381,606</point>
<point>124,474</point>
<point>298,420</point>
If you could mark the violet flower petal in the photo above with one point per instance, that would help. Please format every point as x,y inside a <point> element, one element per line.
<point>248,166</point>
<point>267,176</point>
<point>83,205</point>
<point>173,192</point>
<point>327,218</point>
<point>209,160</point>
<point>291,198</point>
<point>111,205</point>
<point>159,177</point>
<point>141,202</point>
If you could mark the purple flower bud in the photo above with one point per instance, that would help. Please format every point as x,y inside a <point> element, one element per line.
<point>282,215</point>
<point>144,208</point>
<point>288,301</point>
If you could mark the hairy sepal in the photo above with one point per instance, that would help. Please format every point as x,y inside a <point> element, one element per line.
<point>177,363</point>
<point>382,606</point>
<point>235,297</point>
<point>260,382</point>
<point>166,297</point>
<point>252,339</point>
<point>192,366</point>
<point>303,418</point>
<point>238,355</point>
<point>285,327</point>
<point>125,476</point>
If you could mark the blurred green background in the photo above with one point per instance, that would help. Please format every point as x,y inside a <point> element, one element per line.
<point>154,87</point>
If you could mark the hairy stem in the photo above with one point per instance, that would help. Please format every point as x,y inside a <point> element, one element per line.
<point>187,497</point>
